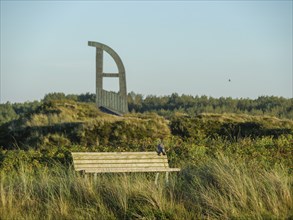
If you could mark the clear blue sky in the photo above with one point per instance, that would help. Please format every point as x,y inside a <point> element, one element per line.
<point>191,47</point>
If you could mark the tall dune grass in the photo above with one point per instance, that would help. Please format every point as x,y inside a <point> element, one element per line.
<point>221,188</point>
<point>224,189</point>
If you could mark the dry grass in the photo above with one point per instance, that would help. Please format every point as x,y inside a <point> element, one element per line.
<point>267,121</point>
<point>220,189</point>
<point>226,189</point>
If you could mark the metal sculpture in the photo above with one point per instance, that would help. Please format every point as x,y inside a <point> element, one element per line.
<point>107,100</point>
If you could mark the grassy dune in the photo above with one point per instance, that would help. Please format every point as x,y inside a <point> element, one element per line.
<point>221,188</point>
<point>233,166</point>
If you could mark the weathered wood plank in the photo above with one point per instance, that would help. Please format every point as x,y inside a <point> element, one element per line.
<point>132,170</point>
<point>121,162</point>
<point>124,165</point>
<point>102,161</point>
<point>115,153</point>
<point>115,157</point>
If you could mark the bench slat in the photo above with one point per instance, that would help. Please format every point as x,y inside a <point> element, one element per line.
<point>102,161</point>
<point>124,165</point>
<point>132,170</point>
<point>119,162</point>
<point>111,157</point>
<point>114,153</point>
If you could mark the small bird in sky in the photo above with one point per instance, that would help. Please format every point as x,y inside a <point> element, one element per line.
<point>229,80</point>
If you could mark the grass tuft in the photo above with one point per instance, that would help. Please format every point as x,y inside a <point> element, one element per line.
<point>219,188</point>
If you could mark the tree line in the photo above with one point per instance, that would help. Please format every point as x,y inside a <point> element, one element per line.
<point>165,105</point>
<point>169,104</point>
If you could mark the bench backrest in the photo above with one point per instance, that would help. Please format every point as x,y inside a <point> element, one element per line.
<point>98,162</point>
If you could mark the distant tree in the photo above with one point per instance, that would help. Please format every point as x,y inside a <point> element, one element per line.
<point>135,102</point>
<point>88,97</point>
<point>7,113</point>
<point>26,107</point>
<point>164,105</point>
<point>72,97</point>
<point>54,96</point>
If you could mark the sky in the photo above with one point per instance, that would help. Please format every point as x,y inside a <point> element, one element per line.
<point>238,49</point>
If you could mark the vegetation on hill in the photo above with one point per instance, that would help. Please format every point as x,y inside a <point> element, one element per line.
<point>234,165</point>
<point>65,122</point>
<point>166,105</point>
<point>222,188</point>
<point>192,105</point>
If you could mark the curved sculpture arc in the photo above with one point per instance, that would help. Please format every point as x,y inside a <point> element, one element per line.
<point>114,102</point>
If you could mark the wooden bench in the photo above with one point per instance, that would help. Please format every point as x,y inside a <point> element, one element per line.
<point>121,162</point>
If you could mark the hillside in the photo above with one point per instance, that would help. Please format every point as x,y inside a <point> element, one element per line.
<point>279,107</point>
<point>57,127</point>
<point>232,165</point>
<point>66,122</point>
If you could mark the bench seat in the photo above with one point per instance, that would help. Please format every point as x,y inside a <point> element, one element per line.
<point>121,162</point>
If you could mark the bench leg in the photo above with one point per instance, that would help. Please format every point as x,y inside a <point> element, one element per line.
<point>95,177</point>
<point>167,177</point>
<point>157,177</point>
